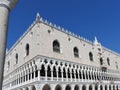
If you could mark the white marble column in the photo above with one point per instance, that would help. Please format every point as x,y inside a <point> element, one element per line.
<point>5,7</point>
<point>46,73</point>
<point>72,87</point>
<point>63,86</point>
<point>111,87</point>
<point>74,74</point>
<point>39,74</point>
<point>24,89</point>
<point>93,87</point>
<point>57,73</point>
<point>87,87</point>
<point>103,86</point>
<point>51,74</point>
<point>39,87</point>
<point>82,75</point>
<point>62,74</point>
<point>80,87</point>
<point>78,75</point>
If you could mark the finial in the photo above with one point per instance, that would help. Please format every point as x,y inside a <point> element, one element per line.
<point>6,50</point>
<point>96,41</point>
<point>38,17</point>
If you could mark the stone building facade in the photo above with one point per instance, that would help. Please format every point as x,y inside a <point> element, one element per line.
<point>47,57</point>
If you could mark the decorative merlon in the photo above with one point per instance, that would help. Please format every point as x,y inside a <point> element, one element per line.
<point>38,17</point>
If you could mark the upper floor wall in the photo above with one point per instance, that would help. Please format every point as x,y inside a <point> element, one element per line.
<point>46,40</point>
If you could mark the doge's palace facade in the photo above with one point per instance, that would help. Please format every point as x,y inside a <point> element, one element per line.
<point>47,57</point>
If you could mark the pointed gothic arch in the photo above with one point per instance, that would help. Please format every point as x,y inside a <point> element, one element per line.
<point>90,87</point>
<point>76,87</point>
<point>64,73</point>
<point>33,87</point>
<point>59,72</point>
<point>109,87</point>
<point>56,46</point>
<point>54,72</point>
<point>76,73</point>
<point>73,76</point>
<point>58,87</point>
<point>83,87</point>
<point>42,71</point>
<point>68,87</point>
<point>91,56</point>
<point>80,75</point>
<point>76,52</point>
<point>46,87</point>
<point>27,48</point>
<point>96,87</point>
<point>68,73</point>
<point>101,61</point>
<point>16,57</point>
<point>101,87</point>
<point>48,71</point>
<point>105,87</point>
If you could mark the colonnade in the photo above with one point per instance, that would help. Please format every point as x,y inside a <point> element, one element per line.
<point>70,87</point>
<point>42,69</point>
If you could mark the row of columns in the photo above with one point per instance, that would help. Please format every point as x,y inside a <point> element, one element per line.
<point>71,87</point>
<point>79,75</point>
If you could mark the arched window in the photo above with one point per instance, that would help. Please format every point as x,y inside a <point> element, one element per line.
<point>73,74</point>
<point>76,87</point>
<point>86,75</point>
<point>90,56</point>
<point>46,87</point>
<point>101,88</point>
<point>80,75</point>
<point>68,73</point>
<point>83,87</point>
<point>110,87</point>
<point>89,75</point>
<point>48,71</point>
<point>76,52</point>
<point>101,61</point>
<point>54,72</point>
<point>59,73</point>
<point>76,74</point>
<point>33,88</point>
<point>27,48</point>
<point>58,87</point>
<point>64,73</point>
<point>96,87</point>
<point>16,57</point>
<point>56,46</point>
<point>105,87</point>
<point>108,61</point>
<point>90,87</point>
<point>83,74</point>
<point>42,71</point>
<point>92,76</point>
<point>117,87</point>
<point>68,87</point>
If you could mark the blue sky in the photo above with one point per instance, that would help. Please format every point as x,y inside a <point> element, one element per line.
<point>87,18</point>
